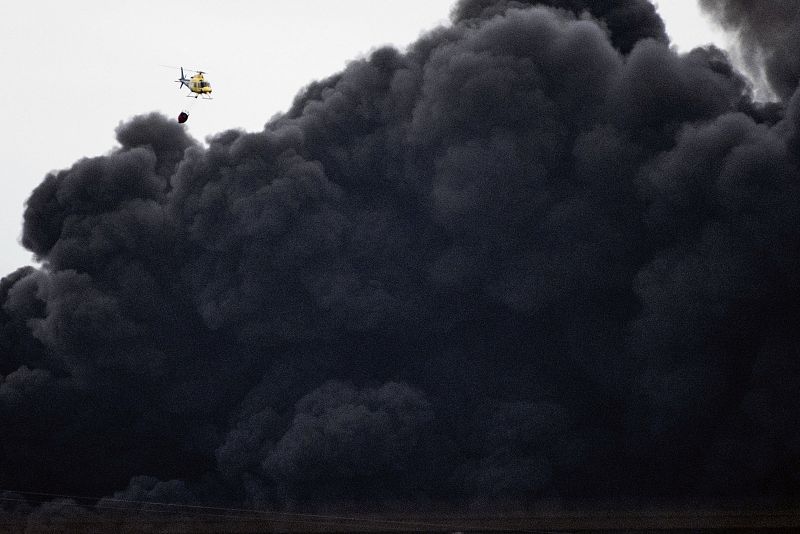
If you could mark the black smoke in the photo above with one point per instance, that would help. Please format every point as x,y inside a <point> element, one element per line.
<point>769,34</point>
<point>626,21</point>
<point>537,256</point>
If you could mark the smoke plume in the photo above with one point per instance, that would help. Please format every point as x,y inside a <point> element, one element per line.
<point>769,35</point>
<point>537,256</point>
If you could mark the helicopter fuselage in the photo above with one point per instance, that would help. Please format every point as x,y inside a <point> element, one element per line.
<point>197,84</point>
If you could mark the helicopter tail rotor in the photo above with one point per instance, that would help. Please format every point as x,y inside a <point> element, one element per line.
<point>182,80</point>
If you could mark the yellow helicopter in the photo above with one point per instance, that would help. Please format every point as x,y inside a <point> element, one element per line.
<point>197,84</point>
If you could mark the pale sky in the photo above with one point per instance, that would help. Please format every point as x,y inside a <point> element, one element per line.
<point>687,25</point>
<point>72,70</point>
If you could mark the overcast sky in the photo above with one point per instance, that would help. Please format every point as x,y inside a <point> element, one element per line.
<point>74,70</point>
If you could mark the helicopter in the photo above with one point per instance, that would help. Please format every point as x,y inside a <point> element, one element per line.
<point>197,84</point>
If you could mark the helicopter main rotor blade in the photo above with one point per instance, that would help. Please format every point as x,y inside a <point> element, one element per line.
<point>196,71</point>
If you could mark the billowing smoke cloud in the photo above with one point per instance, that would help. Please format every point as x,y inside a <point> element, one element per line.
<point>627,22</point>
<point>769,33</point>
<point>537,256</point>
